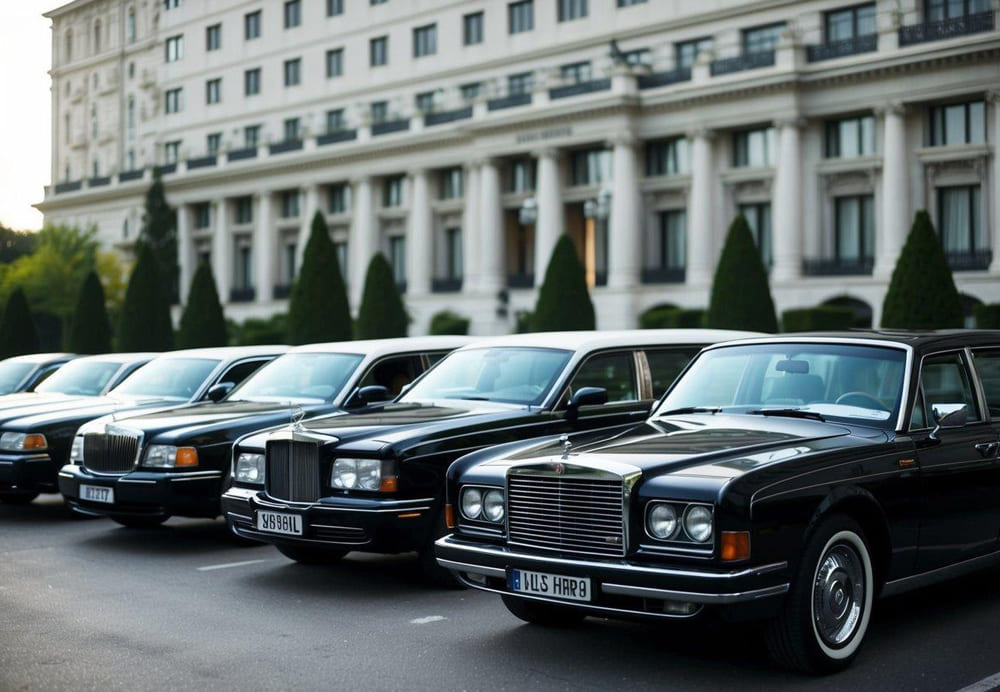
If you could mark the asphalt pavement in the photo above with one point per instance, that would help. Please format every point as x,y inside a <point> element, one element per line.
<point>86,605</point>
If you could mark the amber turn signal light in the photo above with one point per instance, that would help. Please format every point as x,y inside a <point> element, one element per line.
<point>186,456</point>
<point>449,516</point>
<point>35,441</point>
<point>389,484</point>
<point>735,545</point>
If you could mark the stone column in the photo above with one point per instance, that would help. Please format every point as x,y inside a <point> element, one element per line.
<point>264,249</point>
<point>491,238</point>
<point>362,238</point>
<point>700,261</point>
<point>471,230</point>
<point>894,217</point>
<point>786,203</point>
<point>551,222</point>
<point>625,232</point>
<point>420,237</point>
<point>993,98</point>
<point>310,200</point>
<point>185,257</point>
<point>222,250</point>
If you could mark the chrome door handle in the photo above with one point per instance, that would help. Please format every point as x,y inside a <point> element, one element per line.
<point>988,449</point>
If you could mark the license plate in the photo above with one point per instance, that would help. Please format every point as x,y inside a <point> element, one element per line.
<point>552,585</point>
<point>276,522</point>
<point>97,493</point>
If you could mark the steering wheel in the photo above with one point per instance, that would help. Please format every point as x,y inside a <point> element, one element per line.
<point>864,397</point>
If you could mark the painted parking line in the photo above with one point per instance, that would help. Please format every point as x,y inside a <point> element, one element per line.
<point>427,620</point>
<point>227,565</point>
<point>984,685</point>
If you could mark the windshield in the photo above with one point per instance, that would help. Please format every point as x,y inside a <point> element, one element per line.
<point>168,378</point>
<point>305,377</point>
<point>12,373</point>
<point>861,384</point>
<point>507,375</point>
<point>85,377</point>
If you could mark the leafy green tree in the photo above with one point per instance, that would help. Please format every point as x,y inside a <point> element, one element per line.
<point>15,244</point>
<point>90,329</point>
<point>922,293</point>
<point>447,322</point>
<point>319,310</point>
<point>382,314</point>
<point>741,296</point>
<point>563,299</point>
<point>203,322</point>
<point>145,323</point>
<point>17,328</point>
<point>159,233</point>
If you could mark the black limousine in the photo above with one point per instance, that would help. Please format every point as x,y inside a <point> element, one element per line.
<point>791,480</point>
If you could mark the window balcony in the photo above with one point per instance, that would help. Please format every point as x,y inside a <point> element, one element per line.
<point>442,117</point>
<point>838,266</point>
<point>971,261</point>
<point>946,28</point>
<point>842,49</point>
<point>580,88</point>
<point>167,168</point>
<point>659,79</point>
<point>126,176</point>
<point>242,154</point>
<point>68,186</point>
<point>337,136</point>
<point>241,295</point>
<point>390,126</point>
<point>285,146</point>
<point>202,162</point>
<point>520,281</point>
<point>99,180</point>
<point>282,291</point>
<point>510,101</point>
<point>446,285</point>
<point>741,63</point>
<point>663,275</point>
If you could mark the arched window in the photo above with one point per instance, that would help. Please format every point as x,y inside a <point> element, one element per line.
<point>130,25</point>
<point>97,36</point>
<point>69,44</point>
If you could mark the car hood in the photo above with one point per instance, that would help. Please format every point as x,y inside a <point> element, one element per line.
<point>75,412</point>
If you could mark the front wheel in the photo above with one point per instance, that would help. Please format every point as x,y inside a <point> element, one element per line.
<point>544,614</point>
<point>311,556</point>
<point>825,617</point>
<point>138,522</point>
<point>16,498</point>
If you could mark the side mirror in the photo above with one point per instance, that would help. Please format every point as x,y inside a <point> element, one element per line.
<point>371,394</point>
<point>948,416</point>
<point>585,396</point>
<point>218,391</point>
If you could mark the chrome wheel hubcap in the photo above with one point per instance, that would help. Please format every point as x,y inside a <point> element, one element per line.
<point>838,594</point>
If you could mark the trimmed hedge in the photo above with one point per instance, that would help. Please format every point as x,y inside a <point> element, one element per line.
<point>447,322</point>
<point>203,323</point>
<point>381,315</point>
<point>258,332</point>
<point>145,318</point>
<point>988,316</point>
<point>90,329</point>
<point>819,318</point>
<point>741,296</point>
<point>18,335</point>
<point>319,310</point>
<point>672,317</point>
<point>563,300</point>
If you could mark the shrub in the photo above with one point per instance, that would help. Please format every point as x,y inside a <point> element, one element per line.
<point>145,319</point>
<point>671,317</point>
<point>741,296</point>
<point>988,316</point>
<point>563,300</point>
<point>819,318</point>
<point>319,310</point>
<point>381,314</point>
<point>259,332</point>
<point>447,322</point>
<point>202,322</point>
<point>159,233</point>
<point>90,328</point>
<point>922,293</point>
<point>17,329</point>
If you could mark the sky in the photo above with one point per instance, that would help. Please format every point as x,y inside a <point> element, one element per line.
<point>25,104</point>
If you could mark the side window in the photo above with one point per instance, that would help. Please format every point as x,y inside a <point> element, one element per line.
<point>614,372</point>
<point>44,375</point>
<point>241,371</point>
<point>666,365</point>
<point>988,368</point>
<point>918,421</point>
<point>945,380</point>
<point>393,373</point>
<point>434,357</point>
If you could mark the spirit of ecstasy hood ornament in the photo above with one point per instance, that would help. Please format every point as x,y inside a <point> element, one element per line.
<point>296,414</point>
<point>566,445</point>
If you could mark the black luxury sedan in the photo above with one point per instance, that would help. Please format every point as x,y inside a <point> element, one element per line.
<point>35,442</point>
<point>143,468</point>
<point>24,373</point>
<point>374,481</point>
<point>791,480</point>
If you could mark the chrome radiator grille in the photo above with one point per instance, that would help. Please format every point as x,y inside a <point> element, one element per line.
<point>110,452</point>
<point>577,515</point>
<point>292,471</point>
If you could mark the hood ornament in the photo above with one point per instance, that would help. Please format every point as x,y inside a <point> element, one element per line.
<point>566,445</point>
<point>296,414</point>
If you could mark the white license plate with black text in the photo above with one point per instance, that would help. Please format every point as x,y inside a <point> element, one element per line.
<point>276,522</point>
<point>97,493</point>
<point>552,585</point>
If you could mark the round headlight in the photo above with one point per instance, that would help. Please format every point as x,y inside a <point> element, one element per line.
<point>250,468</point>
<point>698,523</point>
<point>493,505</point>
<point>662,521</point>
<point>472,503</point>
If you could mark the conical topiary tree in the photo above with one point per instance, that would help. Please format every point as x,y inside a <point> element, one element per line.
<point>159,232</point>
<point>90,328</point>
<point>203,322</point>
<point>922,293</point>
<point>319,310</point>
<point>382,314</point>
<point>17,329</point>
<point>741,296</point>
<point>145,318</point>
<point>563,300</point>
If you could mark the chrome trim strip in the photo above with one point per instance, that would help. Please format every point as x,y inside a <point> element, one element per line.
<point>65,475</point>
<point>201,477</point>
<point>692,597</point>
<point>400,505</point>
<point>473,569</point>
<point>136,481</point>
<point>235,515</point>
<point>252,533</point>
<point>915,581</point>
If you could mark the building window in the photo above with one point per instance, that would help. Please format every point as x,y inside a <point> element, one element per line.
<point>425,40</point>
<point>854,228</point>
<point>293,13</point>
<point>174,48</point>
<point>850,137</point>
<point>202,215</point>
<point>958,123</point>
<point>97,36</point>
<point>397,258</point>
<point>338,198</point>
<point>244,210</point>
<point>470,92</point>
<point>213,37</point>
<point>171,151</point>
<point>639,56</point>
<point>453,253</point>
<point>131,160</point>
<point>939,10</point>
<point>629,3</point>
<point>686,52</point>
<point>129,118</point>
<point>93,121</point>
<point>472,28</point>
<point>334,7</point>
<point>849,22</point>
<point>293,72</point>
<point>377,2</point>
<point>960,219</point>
<point>576,72</point>
<point>340,249</point>
<point>251,136</point>
<point>251,82</point>
<point>380,111</point>
<point>521,177</point>
<point>590,166</point>
<point>451,183</point>
<point>392,191</point>
<point>754,148</point>
<point>213,91</point>
<point>172,101</point>
<point>130,26</point>
<point>213,142</point>
<point>251,25</point>
<point>289,204</point>
<point>289,246</point>
<point>335,62</point>
<point>520,83</point>
<point>667,157</point>
<point>672,237</point>
<point>171,4</point>
<point>291,129</point>
<point>335,121</point>
<point>243,269</point>
<point>521,16</point>
<point>379,51</point>
<point>762,39</point>
<point>572,9</point>
<point>424,102</point>
<point>758,216</point>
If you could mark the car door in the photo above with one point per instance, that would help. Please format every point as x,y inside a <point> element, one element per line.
<point>959,472</point>
<point>618,373</point>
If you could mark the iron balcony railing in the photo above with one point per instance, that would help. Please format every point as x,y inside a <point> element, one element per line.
<point>837,266</point>
<point>202,162</point>
<point>946,28</point>
<point>658,79</point>
<point>167,168</point>
<point>241,154</point>
<point>126,176</point>
<point>446,285</point>
<point>390,126</point>
<point>285,146</point>
<point>510,101</point>
<point>579,88</point>
<point>842,49</point>
<point>663,275</point>
<point>442,117</point>
<point>973,260</point>
<point>241,295</point>
<point>749,61</point>
<point>337,136</point>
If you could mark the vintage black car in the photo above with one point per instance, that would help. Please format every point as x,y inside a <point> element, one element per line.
<point>788,479</point>
<point>24,373</point>
<point>176,461</point>
<point>35,442</point>
<point>374,481</point>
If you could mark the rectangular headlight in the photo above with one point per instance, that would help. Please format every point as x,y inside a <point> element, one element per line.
<point>356,474</point>
<point>250,468</point>
<point>23,442</point>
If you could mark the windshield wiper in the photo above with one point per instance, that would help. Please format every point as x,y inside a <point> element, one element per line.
<point>470,398</point>
<point>788,413</point>
<point>691,409</point>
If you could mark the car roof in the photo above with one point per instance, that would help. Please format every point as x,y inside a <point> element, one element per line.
<point>916,339</point>
<point>42,358</point>
<point>592,340</point>
<point>382,347</point>
<point>225,352</point>
<point>119,357</point>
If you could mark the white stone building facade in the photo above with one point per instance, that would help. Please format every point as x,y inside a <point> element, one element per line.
<point>462,137</point>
